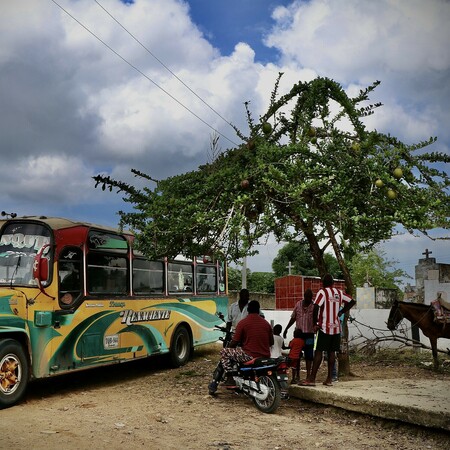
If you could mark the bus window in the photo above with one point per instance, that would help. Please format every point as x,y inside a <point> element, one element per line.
<point>19,244</point>
<point>180,277</point>
<point>107,263</point>
<point>107,242</point>
<point>106,274</point>
<point>206,279</point>
<point>148,276</point>
<point>70,273</point>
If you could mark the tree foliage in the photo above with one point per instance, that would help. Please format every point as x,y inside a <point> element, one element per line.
<point>234,279</point>
<point>308,169</point>
<point>374,269</point>
<point>302,263</point>
<point>256,281</point>
<point>261,282</point>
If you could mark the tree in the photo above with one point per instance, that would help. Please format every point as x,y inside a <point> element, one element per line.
<point>373,268</point>
<point>261,282</point>
<point>234,279</point>
<point>317,174</point>
<point>308,169</point>
<point>298,254</point>
<point>256,281</point>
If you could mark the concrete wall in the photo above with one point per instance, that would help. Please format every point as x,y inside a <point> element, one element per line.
<point>368,325</point>
<point>433,287</point>
<point>267,301</point>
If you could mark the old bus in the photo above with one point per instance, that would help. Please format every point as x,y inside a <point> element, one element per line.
<point>76,295</point>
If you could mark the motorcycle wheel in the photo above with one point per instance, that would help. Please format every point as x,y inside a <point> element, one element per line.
<point>272,401</point>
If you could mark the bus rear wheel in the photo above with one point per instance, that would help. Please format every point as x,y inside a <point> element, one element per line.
<point>14,372</point>
<point>181,347</point>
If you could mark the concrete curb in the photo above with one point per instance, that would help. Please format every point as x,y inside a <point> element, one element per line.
<point>419,402</point>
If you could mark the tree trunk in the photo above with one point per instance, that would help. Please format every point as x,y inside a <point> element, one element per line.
<point>343,356</point>
<point>337,251</point>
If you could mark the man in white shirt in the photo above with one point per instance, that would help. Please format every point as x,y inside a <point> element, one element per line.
<point>238,310</point>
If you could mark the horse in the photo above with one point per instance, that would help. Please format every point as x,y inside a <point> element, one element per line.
<point>422,316</point>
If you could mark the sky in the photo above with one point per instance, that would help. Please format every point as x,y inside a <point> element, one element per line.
<point>104,86</point>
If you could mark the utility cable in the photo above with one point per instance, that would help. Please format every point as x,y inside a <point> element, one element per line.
<point>142,73</point>
<point>162,63</point>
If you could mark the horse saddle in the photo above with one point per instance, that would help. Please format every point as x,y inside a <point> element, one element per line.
<point>441,310</point>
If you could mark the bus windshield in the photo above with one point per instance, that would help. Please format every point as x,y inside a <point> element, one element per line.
<point>19,244</point>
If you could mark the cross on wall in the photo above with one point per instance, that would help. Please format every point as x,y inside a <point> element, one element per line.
<point>290,267</point>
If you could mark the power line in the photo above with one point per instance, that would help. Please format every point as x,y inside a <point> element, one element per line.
<point>162,63</point>
<point>142,73</point>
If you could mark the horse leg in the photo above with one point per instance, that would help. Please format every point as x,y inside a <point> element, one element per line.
<point>433,342</point>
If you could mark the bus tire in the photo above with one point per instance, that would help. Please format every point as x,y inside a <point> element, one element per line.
<point>181,347</point>
<point>14,372</point>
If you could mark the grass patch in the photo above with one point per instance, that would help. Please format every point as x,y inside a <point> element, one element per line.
<point>398,357</point>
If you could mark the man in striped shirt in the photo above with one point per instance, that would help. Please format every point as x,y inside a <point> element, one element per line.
<point>330,303</point>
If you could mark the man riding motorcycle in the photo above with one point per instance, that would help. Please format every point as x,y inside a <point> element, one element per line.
<point>255,336</point>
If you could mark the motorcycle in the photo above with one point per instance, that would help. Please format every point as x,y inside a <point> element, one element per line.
<point>265,380</point>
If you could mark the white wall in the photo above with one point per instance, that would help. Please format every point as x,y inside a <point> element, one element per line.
<point>368,324</point>
<point>432,288</point>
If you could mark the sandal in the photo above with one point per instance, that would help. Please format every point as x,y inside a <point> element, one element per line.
<point>307,383</point>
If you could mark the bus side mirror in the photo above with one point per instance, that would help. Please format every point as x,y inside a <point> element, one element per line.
<point>40,267</point>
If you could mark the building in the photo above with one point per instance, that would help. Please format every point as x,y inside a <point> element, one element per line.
<point>432,280</point>
<point>291,288</point>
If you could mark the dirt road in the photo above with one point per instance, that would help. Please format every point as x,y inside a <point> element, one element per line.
<point>147,405</point>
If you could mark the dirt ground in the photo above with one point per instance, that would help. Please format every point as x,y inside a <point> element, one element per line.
<point>145,404</point>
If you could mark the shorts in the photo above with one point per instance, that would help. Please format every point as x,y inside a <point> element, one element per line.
<point>308,349</point>
<point>328,342</point>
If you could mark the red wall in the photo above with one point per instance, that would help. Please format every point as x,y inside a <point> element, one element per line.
<point>290,289</point>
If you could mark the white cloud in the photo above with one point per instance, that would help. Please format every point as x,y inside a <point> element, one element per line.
<point>403,43</point>
<point>48,179</point>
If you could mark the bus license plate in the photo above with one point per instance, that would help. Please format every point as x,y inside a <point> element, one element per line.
<point>111,341</point>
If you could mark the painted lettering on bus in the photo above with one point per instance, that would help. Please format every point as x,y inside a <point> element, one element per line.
<point>113,304</point>
<point>19,240</point>
<point>129,316</point>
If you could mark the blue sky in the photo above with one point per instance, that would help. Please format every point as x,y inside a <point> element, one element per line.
<point>72,108</point>
<point>225,23</point>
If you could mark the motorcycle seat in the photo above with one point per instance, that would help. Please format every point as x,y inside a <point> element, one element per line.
<point>257,362</point>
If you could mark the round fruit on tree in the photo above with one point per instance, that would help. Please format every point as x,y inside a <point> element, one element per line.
<point>379,183</point>
<point>398,172</point>
<point>312,132</point>
<point>356,146</point>
<point>391,194</point>
<point>245,184</point>
<point>267,128</point>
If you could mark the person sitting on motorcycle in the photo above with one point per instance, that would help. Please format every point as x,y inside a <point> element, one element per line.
<point>255,337</point>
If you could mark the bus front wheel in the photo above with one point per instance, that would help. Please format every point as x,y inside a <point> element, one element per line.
<point>14,372</point>
<point>181,347</point>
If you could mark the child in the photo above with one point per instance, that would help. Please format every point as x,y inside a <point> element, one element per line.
<point>278,344</point>
<point>296,346</point>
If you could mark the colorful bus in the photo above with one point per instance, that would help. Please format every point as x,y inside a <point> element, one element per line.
<point>75,295</point>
